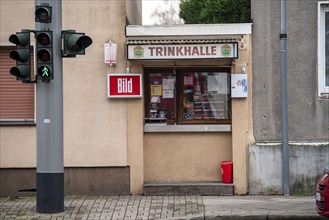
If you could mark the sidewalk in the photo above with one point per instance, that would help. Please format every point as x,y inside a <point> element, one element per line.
<point>166,207</point>
<point>260,207</point>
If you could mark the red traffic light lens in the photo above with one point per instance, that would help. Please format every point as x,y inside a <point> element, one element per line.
<point>43,39</point>
<point>44,55</point>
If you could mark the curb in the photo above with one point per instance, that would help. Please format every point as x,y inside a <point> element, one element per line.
<point>265,217</point>
<point>189,217</point>
<point>248,217</point>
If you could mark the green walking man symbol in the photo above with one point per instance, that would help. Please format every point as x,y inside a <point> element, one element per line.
<point>45,72</point>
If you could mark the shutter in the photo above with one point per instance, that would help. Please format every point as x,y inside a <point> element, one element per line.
<point>16,98</point>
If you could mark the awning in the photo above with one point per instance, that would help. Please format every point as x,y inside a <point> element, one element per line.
<point>177,41</point>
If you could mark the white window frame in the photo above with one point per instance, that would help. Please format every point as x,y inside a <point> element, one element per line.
<point>323,90</point>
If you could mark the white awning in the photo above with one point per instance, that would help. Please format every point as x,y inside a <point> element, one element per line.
<point>189,30</point>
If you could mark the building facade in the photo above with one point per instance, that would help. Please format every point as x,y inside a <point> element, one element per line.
<point>308,103</point>
<point>95,129</point>
<point>207,94</point>
<point>188,71</point>
<point>194,110</point>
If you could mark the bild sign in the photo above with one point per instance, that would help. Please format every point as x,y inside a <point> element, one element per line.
<point>124,85</point>
<point>183,51</point>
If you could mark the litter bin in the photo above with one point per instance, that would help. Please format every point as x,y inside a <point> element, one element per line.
<point>227,171</point>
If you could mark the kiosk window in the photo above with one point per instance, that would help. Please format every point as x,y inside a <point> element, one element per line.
<point>187,97</point>
<point>160,98</point>
<point>205,97</point>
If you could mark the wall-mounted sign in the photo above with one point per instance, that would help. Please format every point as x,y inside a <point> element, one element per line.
<point>183,51</point>
<point>124,85</point>
<point>239,86</point>
<point>110,53</point>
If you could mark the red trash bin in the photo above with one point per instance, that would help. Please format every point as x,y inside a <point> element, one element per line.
<point>227,171</point>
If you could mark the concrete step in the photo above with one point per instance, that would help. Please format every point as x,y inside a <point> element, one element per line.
<point>188,188</point>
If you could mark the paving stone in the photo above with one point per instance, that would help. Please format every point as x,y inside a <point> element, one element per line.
<point>163,207</point>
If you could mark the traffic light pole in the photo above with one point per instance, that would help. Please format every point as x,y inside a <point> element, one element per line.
<point>49,119</point>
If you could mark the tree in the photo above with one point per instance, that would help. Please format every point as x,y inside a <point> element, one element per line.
<point>215,11</point>
<point>167,16</point>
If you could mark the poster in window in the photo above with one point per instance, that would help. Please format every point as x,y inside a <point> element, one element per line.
<point>188,80</point>
<point>168,94</point>
<point>156,90</point>
<point>168,84</point>
<point>217,83</point>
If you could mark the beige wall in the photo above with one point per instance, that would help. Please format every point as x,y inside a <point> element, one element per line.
<point>17,146</point>
<point>173,157</point>
<point>135,121</point>
<point>95,127</point>
<point>242,129</point>
<point>11,24</point>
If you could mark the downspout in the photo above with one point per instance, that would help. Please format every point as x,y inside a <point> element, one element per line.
<point>284,103</point>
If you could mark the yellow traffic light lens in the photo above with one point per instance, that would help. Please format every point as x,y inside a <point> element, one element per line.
<point>44,55</point>
<point>19,55</point>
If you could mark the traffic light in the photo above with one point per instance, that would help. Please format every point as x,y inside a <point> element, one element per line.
<point>75,43</point>
<point>43,13</point>
<point>44,42</point>
<point>22,54</point>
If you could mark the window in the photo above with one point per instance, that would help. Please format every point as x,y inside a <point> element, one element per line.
<point>323,48</point>
<point>186,96</point>
<point>16,98</point>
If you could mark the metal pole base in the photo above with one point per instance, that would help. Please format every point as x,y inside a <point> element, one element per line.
<point>50,192</point>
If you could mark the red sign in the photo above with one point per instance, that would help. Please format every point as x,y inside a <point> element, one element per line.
<point>124,85</point>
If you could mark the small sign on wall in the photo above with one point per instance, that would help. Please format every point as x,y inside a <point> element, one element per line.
<point>110,53</point>
<point>239,86</point>
<point>123,85</point>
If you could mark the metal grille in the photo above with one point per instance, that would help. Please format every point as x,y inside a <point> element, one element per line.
<point>320,205</point>
<point>178,41</point>
<point>322,187</point>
